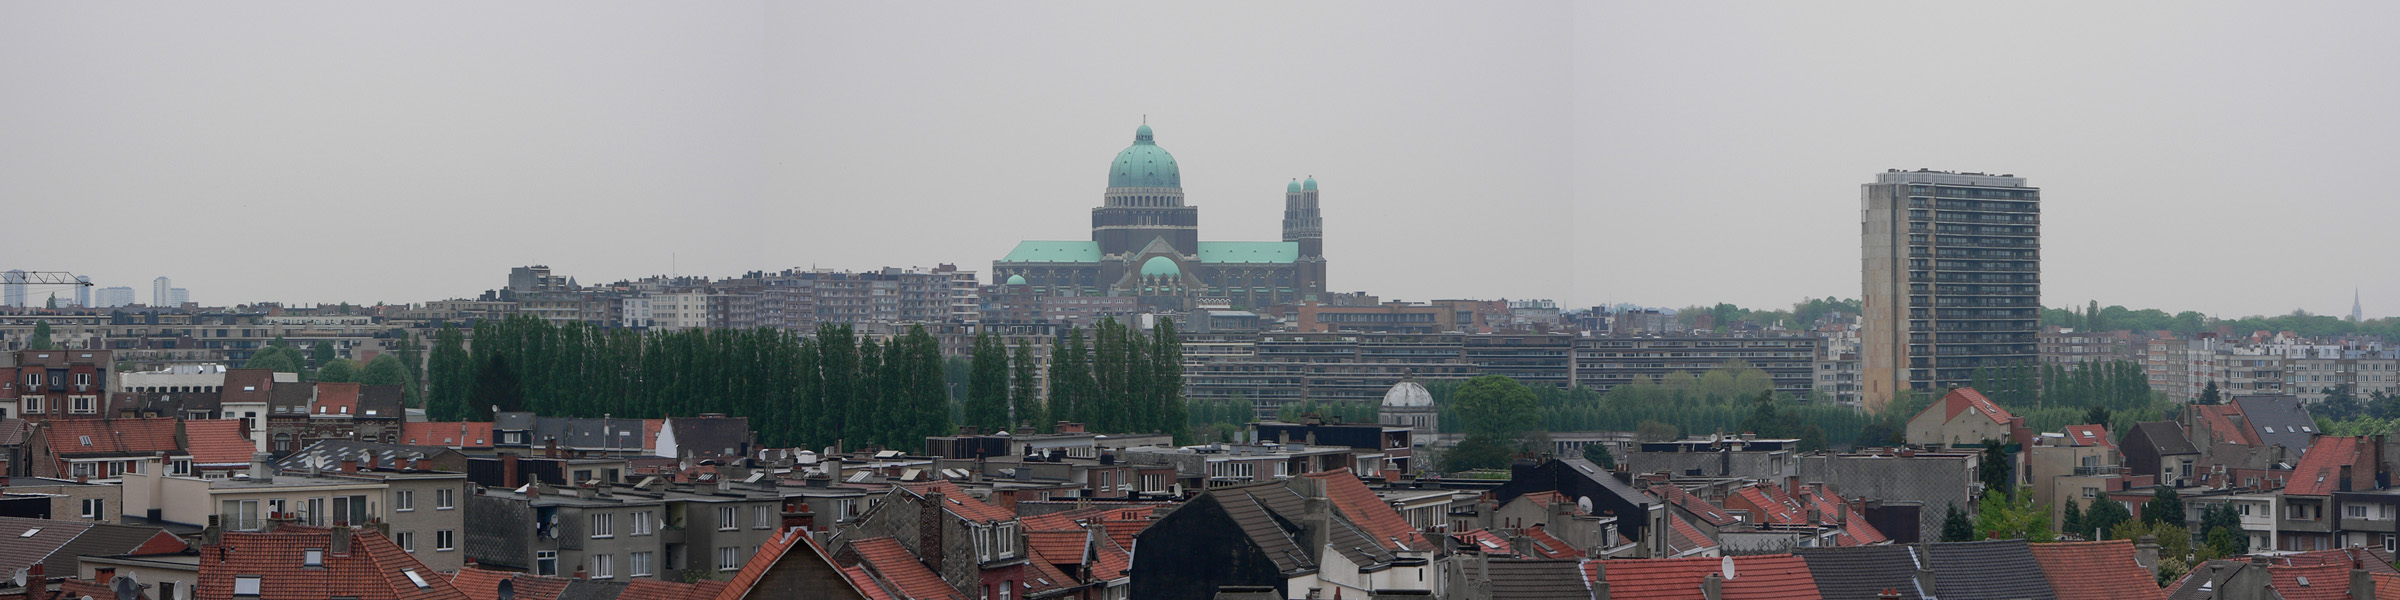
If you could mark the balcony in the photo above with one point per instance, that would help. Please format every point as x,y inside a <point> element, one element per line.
<point>2095,470</point>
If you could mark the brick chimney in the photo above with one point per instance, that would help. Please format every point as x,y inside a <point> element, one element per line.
<point>508,471</point>
<point>349,465</point>
<point>798,514</point>
<point>341,540</point>
<point>929,530</point>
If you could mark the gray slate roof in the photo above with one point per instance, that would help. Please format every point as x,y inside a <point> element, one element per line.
<point>1534,579</point>
<point>1986,570</point>
<point>329,454</point>
<point>610,434</point>
<point>2166,437</point>
<point>1861,572</point>
<point>712,436</point>
<point>2278,421</point>
<point>1255,509</point>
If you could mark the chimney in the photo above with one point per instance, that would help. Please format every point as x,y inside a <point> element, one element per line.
<point>798,514</point>
<point>551,445</point>
<point>424,464</point>
<point>1599,580</point>
<point>579,574</point>
<point>262,468</point>
<point>1712,587</point>
<point>2145,553</point>
<point>341,540</point>
<point>1925,574</point>
<point>1315,524</point>
<point>1889,594</point>
<point>929,530</point>
<point>508,471</point>
<point>104,574</point>
<point>349,465</point>
<point>2362,585</point>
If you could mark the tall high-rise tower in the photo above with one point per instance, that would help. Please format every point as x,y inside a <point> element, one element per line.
<point>83,293</point>
<point>162,290</point>
<point>14,292</point>
<point>1953,274</point>
<point>1304,226</point>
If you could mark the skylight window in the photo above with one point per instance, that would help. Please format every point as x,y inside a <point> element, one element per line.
<point>413,577</point>
<point>245,586</point>
<point>2270,430</point>
<point>29,532</point>
<point>87,440</point>
<point>312,558</point>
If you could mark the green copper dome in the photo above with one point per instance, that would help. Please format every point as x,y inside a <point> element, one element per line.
<point>1160,266</point>
<point>1312,183</point>
<point>1294,188</point>
<point>1016,280</point>
<point>1144,164</point>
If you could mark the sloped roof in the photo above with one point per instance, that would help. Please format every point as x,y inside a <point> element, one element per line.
<point>1986,570</point>
<point>373,569</point>
<point>1376,518</point>
<point>335,399</point>
<point>2278,420</point>
<point>74,437</point>
<point>1534,579</point>
<point>247,386</point>
<point>1862,572</point>
<point>777,548</point>
<point>2224,424</point>
<point>14,431</point>
<point>1855,531</point>
<point>458,434</point>
<point>484,584</point>
<point>1545,545</point>
<point>2089,435</point>
<point>1771,509</point>
<point>1484,542</point>
<point>1078,251</point>
<point>2324,582</point>
<point>2320,471</point>
<point>2370,560</point>
<point>1045,576</point>
<point>865,583</point>
<point>1763,577</point>
<point>885,558</point>
<point>1110,560</point>
<point>22,550</point>
<point>714,436</point>
<point>2102,570</point>
<point>1683,537</point>
<point>1961,399</point>
<point>380,402</point>
<point>218,442</point>
<point>1253,508</point>
<point>1705,510</point>
<point>2165,438</point>
<point>956,500</point>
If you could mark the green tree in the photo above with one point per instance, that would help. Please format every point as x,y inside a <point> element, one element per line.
<point>387,370</point>
<point>1166,380</point>
<point>1997,470</point>
<point>2104,515</point>
<point>1956,527</point>
<point>2004,517</point>
<point>2098,415</point>
<point>41,337</point>
<point>1598,454</point>
<point>320,354</point>
<point>337,371</point>
<point>452,373</point>
<point>2163,507</point>
<point>52,302</point>
<point>2209,395</point>
<point>1025,398</point>
<point>1497,414</point>
<point>273,358</point>
<point>1656,431</point>
<point>987,401</point>
<point>2071,519</point>
<point>496,389</point>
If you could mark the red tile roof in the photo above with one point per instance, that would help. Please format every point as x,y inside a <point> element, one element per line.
<point>1063,546</point>
<point>2325,582</point>
<point>958,502</point>
<point>2219,419</point>
<point>2387,586</point>
<point>2320,470</point>
<point>1485,542</point>
<point>772,553</point>
<point>1683,537</point>
<point>1044,577</point>
<point>112,436</point>
<point>1111,561</point>
<point>463,435</point>
<point>1370,512</point>
<point>1960,399</point>
<point>218,443</point>
<point>1856,531</point>
<point>162,543</point>
<point>884,558</point>
<point>865,583</point>
<point>1545,545</point>
<point>373,569</point>
<point>2095,571</point>
<point>2089,435</point>
<point>338,399</point>
<point>1766,577</point>
<point>652,589</point>
<point>1763,502</point>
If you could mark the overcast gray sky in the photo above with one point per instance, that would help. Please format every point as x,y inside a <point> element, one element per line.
<point>2214,157</point>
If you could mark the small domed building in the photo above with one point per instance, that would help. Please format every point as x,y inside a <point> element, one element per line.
<point>1146,243</point>
<point>1409,405</point>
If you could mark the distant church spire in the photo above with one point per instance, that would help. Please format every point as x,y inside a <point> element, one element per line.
<point>2357,311</point>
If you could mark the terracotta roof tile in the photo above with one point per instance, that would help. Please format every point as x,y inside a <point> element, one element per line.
<point>1767,577</point>
<point>1766,504</point>
<point>2387,586</point>
<point>1485,542</point>
<point>1707,511</point>
<point>2095,571</point>
<point>373,569</point>
<point>335,399</point>
<point>770,554</point>
<point>1111,561</point>
<point>1545,545</point>
<point>1362,506</point>
<point>218,442</point>
<point>884,558</point>
<point>111,436</point>
<point>2324,582</point>
<point>1045,576</point>
<point>1683,537</point>
<point>1961,399</point>
<point>2089,435</point>
<point>2320,470</point>
<point>462,435</point>
<point>652,589</point>
<point>865,583</point>
<point>958,502</point>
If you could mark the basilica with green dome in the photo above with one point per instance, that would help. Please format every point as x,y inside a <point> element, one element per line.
<point>1146,244</point>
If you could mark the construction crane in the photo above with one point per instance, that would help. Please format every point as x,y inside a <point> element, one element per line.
<point>42,278</point>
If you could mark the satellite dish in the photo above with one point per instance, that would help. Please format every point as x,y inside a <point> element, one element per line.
<point>19,578</point>
<point>1727,565</point>
<point>126,587</point>
<point>1584,503</point>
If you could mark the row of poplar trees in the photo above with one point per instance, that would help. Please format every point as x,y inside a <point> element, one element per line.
<point>1117,381</point>
<point>835,388</point>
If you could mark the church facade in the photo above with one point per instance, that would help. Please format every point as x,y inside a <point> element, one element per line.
<point>1146,244</point>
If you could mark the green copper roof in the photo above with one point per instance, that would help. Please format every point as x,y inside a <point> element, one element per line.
<point>1144,164</point>
<point>1160,266</point>
<point>1055,252</point>
<point>1294,188</point>
<point>1249,252</point>
<point>1312,183</point>
<point>1016,280</point>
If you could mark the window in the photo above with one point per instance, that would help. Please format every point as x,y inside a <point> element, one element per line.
<point>180,467</point>
<point>33,405</point>
<point>545,562</point>
<point>726,518</point>
<point>95,508</point>
<point>2091,492</point>
<point>604,566</point>
<point>729,557</point>
<point>312,557</point>
<point>407,541</point>
<point>445,540</point>
<point>84,469</point>
<point>639,563</point>
<point>2355,511</point>
<point>245,585</point>
<point>604,525</point>
<point>758,517</point>
<point>641,524</point>
<point>83,405</point>
<point>404,500</point>
<point>445,499</point>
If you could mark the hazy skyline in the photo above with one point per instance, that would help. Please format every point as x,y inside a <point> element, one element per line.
<point>2211,157</point>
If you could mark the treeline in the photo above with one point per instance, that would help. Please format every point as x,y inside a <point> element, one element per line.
<point>2113,393</point>
<point>2093,317</point>
<point>836,387</point>
<point>1725,399</point>
<point>1802,314</point>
